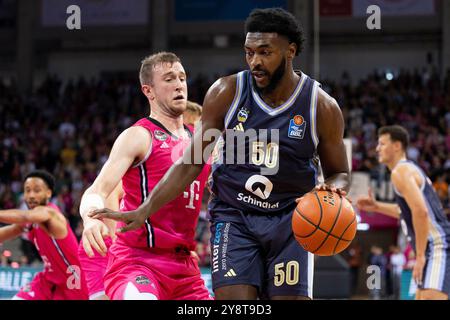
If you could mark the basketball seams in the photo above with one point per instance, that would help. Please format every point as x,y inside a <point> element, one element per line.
<point>321,209</point>
<point>317,228</point>
<point>310,222</point>
<point>345,230</point>
<point>320,218</point>
<point>305,219</point>
<point>332,227</point>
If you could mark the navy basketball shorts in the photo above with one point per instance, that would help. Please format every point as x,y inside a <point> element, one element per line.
<point>436,273</point>
<point>260,251</point>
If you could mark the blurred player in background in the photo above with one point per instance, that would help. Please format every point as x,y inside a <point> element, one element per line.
<point>421,213</point>
<point>49,230</point>
<point>254,251</point>
<point>192,114</point>
<point>154,261</point>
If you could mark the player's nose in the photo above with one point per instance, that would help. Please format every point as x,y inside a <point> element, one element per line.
<point>255,62</point>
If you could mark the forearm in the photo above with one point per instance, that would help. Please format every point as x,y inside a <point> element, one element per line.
<point>91,200</point>
<point>388,209</point>
<point>421,229</point>
<point>10,232</point>
<point>340,181</point>
<point>14,216</point>
<point>173,183</point>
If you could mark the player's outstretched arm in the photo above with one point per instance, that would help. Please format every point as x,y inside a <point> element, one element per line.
<point>218,98</point>
<point>10,232</point>
<point>369,204</point>
<point>331,148</point>
<point>52,221</point>
<point>403,178</point>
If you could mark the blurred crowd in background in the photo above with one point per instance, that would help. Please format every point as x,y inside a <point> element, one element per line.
<point>68,129</point>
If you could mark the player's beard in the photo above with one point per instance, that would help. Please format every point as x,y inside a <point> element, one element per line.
<point>274,79</point>
<point>43,203</point>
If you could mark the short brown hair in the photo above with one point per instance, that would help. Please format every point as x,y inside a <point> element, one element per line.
<point>149,63</point>
<point>193,113</point>
<point>194,107</point>
<point>397,133</point>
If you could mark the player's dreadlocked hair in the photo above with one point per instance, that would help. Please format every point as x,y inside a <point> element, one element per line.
<point>276,20</point>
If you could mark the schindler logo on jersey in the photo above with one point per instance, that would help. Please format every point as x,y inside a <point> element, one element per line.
<point>261,187</point>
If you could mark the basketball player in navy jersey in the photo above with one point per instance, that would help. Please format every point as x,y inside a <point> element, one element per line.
<point>418,207</point>
<point>283,123</point>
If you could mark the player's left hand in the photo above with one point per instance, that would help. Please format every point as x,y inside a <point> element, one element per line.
<point>133,219</point>
<point>418,270</point>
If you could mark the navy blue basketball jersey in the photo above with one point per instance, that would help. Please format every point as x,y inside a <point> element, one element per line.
<point>267,156</point>
<point>439,232</point>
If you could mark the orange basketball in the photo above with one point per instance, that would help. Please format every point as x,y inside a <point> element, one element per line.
<point>324,223</point>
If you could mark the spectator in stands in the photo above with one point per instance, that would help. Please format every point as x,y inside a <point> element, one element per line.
<point>376,258</point>
<point>353,256</point>
<point>397,261</point>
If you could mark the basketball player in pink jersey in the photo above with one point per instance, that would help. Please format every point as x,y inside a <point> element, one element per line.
<point>94,264</point>
<point>50,232</point>
<point>155,261</point>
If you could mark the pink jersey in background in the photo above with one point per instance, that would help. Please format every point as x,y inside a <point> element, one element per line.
<point>62,277</point>
<point>94,269</point>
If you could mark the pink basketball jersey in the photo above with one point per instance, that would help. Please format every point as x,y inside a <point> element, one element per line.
<point>59,255</point>
<point>174,225</point>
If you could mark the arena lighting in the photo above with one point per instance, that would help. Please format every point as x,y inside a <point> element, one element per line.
<point>389,76</point>
<point>361,226</point>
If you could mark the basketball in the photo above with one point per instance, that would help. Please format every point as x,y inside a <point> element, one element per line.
<point>324,223</point>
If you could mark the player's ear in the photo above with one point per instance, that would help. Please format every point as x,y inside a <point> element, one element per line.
<point>398,145</point>
<point>147,91</point>
<point>292,50</point>
<point>48,194</point>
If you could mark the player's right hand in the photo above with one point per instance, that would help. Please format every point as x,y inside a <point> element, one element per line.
<point>133,219</point>
<point>367,203</point>
<point>93,234</point>
<point>331,188</point>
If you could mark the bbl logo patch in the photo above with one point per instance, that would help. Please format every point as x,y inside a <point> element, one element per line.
<point>297,128</point>
<point>142,280</point>
<point>243,115</point>
<point>159,135</point>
